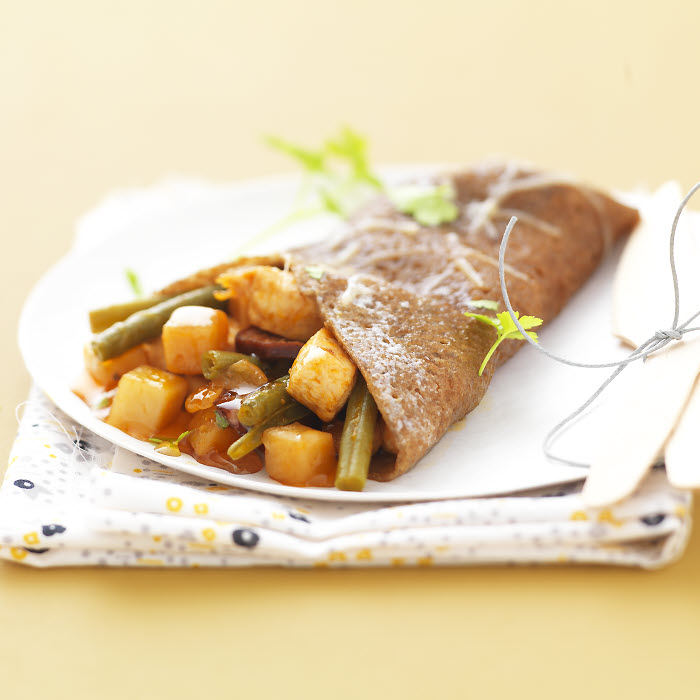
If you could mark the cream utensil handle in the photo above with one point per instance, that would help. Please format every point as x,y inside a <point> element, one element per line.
<point>643,302</point>
<point>646,414</point>
<point>682,455</point>
<point>643,287</point>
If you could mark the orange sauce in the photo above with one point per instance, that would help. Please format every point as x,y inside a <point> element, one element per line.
<point>250,464</point>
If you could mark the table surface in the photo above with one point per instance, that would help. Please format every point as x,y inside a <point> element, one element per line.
<point>101,95</point>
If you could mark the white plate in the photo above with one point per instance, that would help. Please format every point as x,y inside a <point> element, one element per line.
<point>178,227</point>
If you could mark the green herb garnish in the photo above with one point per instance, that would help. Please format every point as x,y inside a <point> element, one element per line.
<point>336,179</point>
<point>506,329</point>
<point>104,402</point>
<point>315,271</point>
<point>483,304</point>
<point>337,176</point>
<point>168,445</point>
<point>429,206</point>
<point>157,440</point>
<point>221,419</point>
<point>134,282</point>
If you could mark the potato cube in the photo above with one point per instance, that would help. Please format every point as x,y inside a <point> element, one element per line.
<point>190,332</point>
<point>322,375</point>
<point>155,355</point>
<point>107,373</point>
<point>147,399</point>
<point>299,456</point>
<point>270,298</point>
<point>207,435</point>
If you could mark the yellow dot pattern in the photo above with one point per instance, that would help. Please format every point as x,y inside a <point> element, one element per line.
<point>173,504</point>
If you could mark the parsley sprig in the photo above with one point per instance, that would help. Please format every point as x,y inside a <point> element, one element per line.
<point>506,329</point>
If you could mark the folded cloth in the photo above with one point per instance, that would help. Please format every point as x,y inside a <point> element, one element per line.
<point>70,498</point>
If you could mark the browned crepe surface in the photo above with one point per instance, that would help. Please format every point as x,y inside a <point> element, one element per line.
<point>401,320</point>
<point>419,356</point>
<point>393,292</point>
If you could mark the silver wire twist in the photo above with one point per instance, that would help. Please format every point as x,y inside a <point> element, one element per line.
<point>659,340</point>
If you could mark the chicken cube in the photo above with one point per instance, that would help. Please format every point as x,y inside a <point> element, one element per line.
<point>297,455</point>
<point>147,400</point>
<point>322,375</point>
<point>270,298</point>
<point>190,332</point>
<point>107,373</point>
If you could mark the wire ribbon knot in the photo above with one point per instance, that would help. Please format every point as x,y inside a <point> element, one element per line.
<point>659,340</point>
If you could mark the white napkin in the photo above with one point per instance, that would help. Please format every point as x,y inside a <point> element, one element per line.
<point>71,498</point>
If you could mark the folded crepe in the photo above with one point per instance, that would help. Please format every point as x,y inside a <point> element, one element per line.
<point>393,292</point>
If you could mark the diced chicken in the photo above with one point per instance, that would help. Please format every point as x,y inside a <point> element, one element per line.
<point>322,375</point>
<point>147,399</point>
<point>190,332</point>
<point>299,456</point>
<point>270,298</point>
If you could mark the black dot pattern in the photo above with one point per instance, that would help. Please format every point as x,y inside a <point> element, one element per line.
<point>299,516</point>
<point>24,484</point>
<point>53,529</point>
<point>245,537</point>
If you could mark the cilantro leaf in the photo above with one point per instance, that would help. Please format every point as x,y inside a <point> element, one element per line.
<point>506,330</point>
<point>429,206</point>
<point>134,282</point>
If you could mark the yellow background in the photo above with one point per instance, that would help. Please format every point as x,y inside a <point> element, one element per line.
<point>98,95</point>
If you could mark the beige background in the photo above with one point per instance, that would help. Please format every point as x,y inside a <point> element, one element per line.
<point>99,95</point>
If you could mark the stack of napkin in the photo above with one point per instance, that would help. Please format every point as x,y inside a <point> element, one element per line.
<point>70,498</point>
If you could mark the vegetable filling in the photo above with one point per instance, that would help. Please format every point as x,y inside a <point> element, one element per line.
<point>241,376</point>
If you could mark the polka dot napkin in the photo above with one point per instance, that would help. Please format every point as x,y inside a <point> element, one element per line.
<point>70,498</point>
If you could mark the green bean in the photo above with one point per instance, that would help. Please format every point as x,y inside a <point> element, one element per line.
<point>253,438</point>
<point>268,399</point>
<point>214,362</point>
<point>355,450</point>
<point>102,319</point>
<point>147,324</point>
